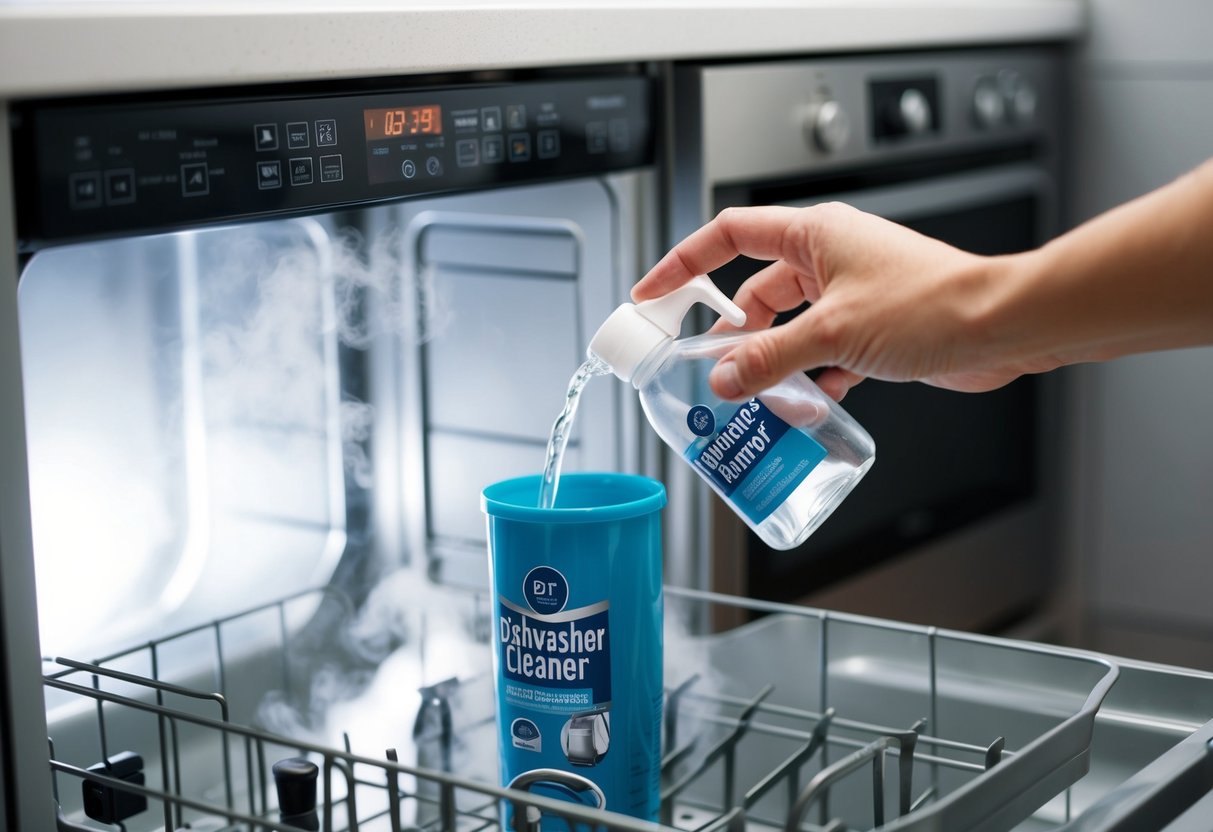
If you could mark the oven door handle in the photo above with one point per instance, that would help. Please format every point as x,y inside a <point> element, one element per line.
<point>1159,793</point>
<point>954,192</point>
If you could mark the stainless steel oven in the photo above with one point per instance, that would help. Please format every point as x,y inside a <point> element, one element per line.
<point>952,525</point>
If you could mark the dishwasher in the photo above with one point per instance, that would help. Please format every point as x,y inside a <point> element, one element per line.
<point>263,370</point>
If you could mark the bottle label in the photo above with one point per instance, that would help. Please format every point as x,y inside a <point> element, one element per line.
<point>755,459</point>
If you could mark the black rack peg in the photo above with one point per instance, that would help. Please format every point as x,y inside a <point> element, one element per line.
<point>110,804</point>
<point>295,778</point>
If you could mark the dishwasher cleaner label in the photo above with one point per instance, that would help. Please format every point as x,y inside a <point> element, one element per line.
<point>559,662</point>
<point>755,458</point>
<point>555,666</point>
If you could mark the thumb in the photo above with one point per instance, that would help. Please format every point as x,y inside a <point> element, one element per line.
<point>768,356</point>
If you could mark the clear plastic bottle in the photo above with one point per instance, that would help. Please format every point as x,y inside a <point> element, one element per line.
<point>782,460</point>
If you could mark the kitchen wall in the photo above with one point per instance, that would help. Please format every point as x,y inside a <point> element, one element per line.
<point>1141,523</point>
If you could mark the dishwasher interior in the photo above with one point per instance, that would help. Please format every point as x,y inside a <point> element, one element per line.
<point>799,719</point>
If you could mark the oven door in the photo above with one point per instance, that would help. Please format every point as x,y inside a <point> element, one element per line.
<point>951,524</point>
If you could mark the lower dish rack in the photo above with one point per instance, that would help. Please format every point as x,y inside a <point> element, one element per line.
<point>799,720</point>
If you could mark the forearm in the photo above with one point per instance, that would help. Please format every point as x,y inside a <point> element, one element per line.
<point>1135,279</point>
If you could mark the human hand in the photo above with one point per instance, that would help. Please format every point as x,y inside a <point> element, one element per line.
<point>887,302</point>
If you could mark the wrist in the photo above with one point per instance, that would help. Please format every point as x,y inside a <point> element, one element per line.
<point>996,303</point>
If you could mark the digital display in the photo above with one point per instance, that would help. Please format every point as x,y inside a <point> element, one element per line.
<point>394,122</point>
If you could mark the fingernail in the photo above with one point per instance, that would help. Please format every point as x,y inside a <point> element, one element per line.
<point>724,379</point>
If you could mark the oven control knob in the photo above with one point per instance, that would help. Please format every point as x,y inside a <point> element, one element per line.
<point>1023,101</point>
<point>989,106</point>
<point>911,115</point>
<point>829,126</point>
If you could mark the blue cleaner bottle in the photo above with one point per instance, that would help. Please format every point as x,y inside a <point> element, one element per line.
<point>783,460</point>
<point>577,603</point>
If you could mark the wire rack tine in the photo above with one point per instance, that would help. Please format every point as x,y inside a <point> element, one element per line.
<point>819,786</point>
<point>351,803</point>
<point>790,768</point>
<point>393,792</point>
<point>672,702</point>
<point>994,752</point>
<point>722,748</point>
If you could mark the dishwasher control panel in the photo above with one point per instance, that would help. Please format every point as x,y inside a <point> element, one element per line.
<point>100,169</point>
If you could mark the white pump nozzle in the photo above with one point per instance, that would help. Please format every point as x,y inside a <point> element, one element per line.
<point>633,331</point>
<point>668,311</point>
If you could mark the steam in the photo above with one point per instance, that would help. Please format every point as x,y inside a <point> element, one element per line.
<point>408,635</point>
<point>373,300</point>
<point>689,660</point>
<point>357,420</point>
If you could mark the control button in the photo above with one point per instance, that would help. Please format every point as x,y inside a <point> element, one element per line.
<point>297,135</point>
<point>492,150</point>
<point>467,152</point>
<point>466,121</point>
<point>515,116</point>
<point>520,147</point>
<point>621,135</point>
<point>326,133</point>
<point>433,166</point>
<point>269,175</point>
<point>596,137</point>
<point>330,168</point>
<point>194,180</point>
<point>490,119</point>
<point>408,169</point>
<point>119,187</point>
<point>301,170</point>
<point>84,189</point>
<point>829,126</point>
<point>549,144</point>
<point>265,136</point>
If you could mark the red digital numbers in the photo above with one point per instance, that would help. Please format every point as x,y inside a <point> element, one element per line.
<point>403,121</point>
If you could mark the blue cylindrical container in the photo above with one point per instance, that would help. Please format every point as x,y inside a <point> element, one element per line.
<point>577,600</point>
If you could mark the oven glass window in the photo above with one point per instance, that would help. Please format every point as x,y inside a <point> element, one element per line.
<point>944,459</point>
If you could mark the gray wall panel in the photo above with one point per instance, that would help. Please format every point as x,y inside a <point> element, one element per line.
<point>1150,30</point>
<point>1143,114</point>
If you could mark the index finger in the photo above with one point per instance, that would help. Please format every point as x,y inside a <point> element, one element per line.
<point>755,232</point>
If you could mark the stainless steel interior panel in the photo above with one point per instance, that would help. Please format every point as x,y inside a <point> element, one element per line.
<point>196,450</point>
<point>499,293</point>
<point>538,250</point>
<point>464,464</point>
<point>500,315</point>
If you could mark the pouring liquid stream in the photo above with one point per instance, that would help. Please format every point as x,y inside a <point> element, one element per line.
<point>563,426</point>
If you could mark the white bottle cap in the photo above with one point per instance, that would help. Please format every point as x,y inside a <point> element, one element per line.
<point>631,333</point>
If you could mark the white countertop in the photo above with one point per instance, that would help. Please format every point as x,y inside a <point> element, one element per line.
<point>57,48</point>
